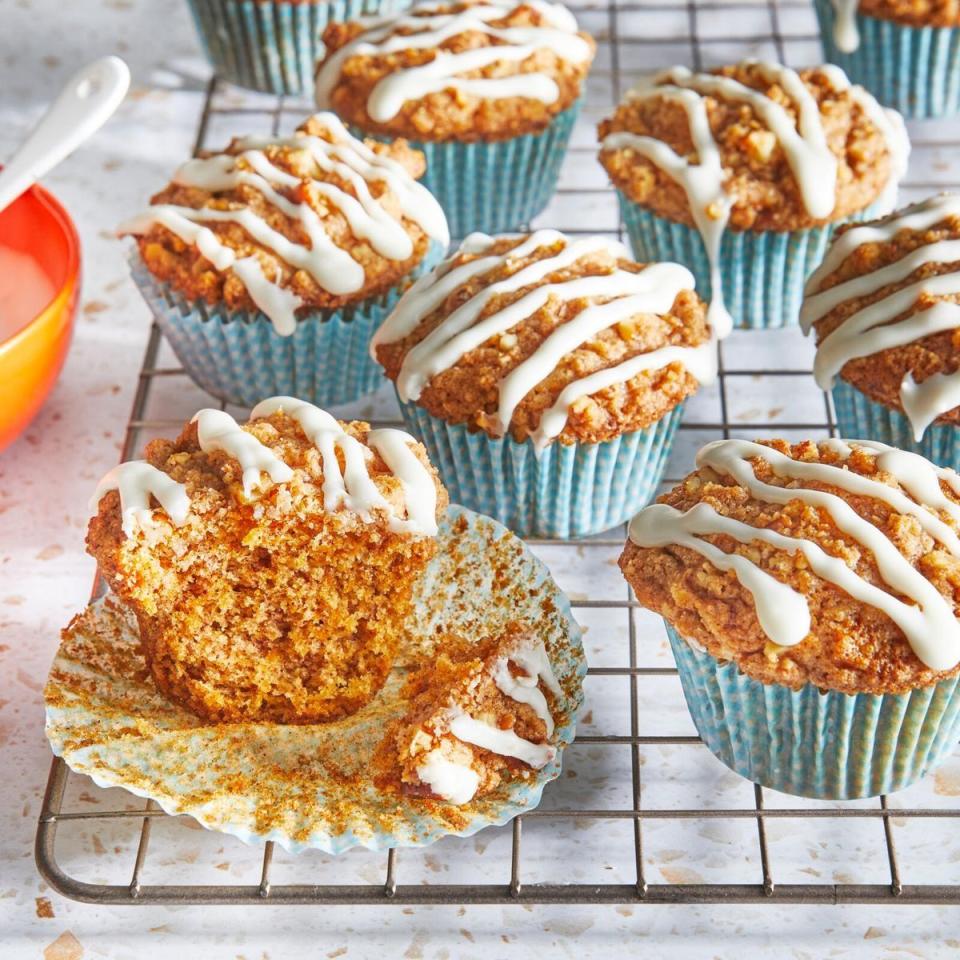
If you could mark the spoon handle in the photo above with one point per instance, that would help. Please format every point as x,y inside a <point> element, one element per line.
<point>83,106</point>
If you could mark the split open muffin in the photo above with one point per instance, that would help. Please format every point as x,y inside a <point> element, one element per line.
<point>271,564</point>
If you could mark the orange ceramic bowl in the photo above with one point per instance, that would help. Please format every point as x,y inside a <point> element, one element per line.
<point>39,288</point>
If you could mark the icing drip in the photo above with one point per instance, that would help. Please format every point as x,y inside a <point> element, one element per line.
<point>927,619</point>
<point>454,782</point>
<point>353,488</point>
<point>652,290</point>
<point>136,481</point>
<point>804,144</point>
<point>524,688</point>
<point>875,327</point>
<point>330,266</point>
<point>846,35</point>
<point>217,430</point>
<point>505,743</point>
<point>425,29</point>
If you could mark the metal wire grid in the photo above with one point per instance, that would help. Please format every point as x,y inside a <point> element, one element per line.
<point>706,47</point>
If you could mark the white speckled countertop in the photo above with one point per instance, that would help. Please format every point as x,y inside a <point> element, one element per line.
<point>45,479</point>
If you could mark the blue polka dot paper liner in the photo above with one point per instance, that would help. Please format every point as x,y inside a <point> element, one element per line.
<point>568,491</point>
<point>498,186</point>
<point>860,418</point>
<point>237,355</point>
<point>312,786</point>
<point>763,271</point>
<point>914,69</point>
<point>813,743</point>
<point>273,45</point>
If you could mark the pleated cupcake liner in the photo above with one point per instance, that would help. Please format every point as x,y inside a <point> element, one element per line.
<point>237,356</point>
<point>273,45</point>
<point>860,418</point>
<point>822,744</point>
<point>914,69</point>
<point>763,271</point>
<point>568,491</point>
<point>498,186</point>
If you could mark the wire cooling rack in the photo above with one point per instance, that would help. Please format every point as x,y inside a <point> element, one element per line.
<point>643,812</point>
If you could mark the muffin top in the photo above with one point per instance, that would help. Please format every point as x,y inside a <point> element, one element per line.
<point>548,338</point>
<point>836,564</point>
<point>317,220</point>
<point>757,146</point>
<point>913,13</point>
<point>885,304</point>
<point>471,70</point>
<point>290,456</point>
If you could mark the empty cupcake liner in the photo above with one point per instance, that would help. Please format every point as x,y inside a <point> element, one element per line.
<point>568,491</point>
<point>497,186</point>
<point>860,418</point>
<point>763,271</point>
<point>915,69</point>
<point>823,744</point>
<point>237,356</point>
<point>273,45</point>
<point>310,786</point>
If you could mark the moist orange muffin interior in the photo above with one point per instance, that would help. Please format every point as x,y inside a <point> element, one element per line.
<point>852,647</point>
<point>267,609</point>
<point>467,392</point>
<point>759,180</point>
<point>461,679</point>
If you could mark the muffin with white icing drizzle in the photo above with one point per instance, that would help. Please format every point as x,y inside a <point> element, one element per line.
<point>885,309</point>
<point>269,266</point>
<point>743,173</point>
<point>555,368</point>
<point>903,51</point>
<point>483,712</point>
<point>810,596</point>
<point>270,565</point>
<point>488,89</point>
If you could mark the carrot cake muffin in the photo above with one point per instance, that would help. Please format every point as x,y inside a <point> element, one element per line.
<point>269,265</point>
<point>271,564</point>
<point>810,597</point>
<point>488,90</point>
<point>885,308</point>
<point>556,368</point>
<point>481,714</point>
<point>903,51</point>
<point>743,173</point>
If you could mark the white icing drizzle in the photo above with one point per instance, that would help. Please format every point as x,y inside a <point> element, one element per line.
<point>353,488</point>
<point>874,327</point>
<point>427,29</point>
<point>330,266</point>
<point>451,781</point>
<point>532,659</point>
<point>217,430</point>
<point>627,294</point>
<point>927,620</point>
<point>917,475</point>
<point>137,481</point>
<point>506,743</point>
<point>804,144</point>
<point>846,35</point>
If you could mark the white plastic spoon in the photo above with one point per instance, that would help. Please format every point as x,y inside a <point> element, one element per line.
<point>84,105</point>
